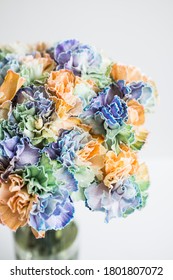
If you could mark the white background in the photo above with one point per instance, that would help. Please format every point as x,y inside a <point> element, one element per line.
<point>133,32</point>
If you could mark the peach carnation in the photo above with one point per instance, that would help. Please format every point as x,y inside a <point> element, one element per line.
<point>15,202</point>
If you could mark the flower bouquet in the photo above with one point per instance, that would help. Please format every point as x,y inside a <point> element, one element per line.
<point>71,126</point>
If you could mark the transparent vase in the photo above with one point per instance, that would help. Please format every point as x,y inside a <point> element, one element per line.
<point>57,245</point>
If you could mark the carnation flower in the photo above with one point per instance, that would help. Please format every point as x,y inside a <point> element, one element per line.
<point>15,202</point>
<point>33,115</point>
<point>124,134</point>
<point>140,138</point>
<point>69,142</point>
<point>118,167</point>
<point>35,69</point>
<point>129,74</point>
<point>17,152</point>
<point>107,109</point>
<point>93,154</point>
<point>78,58</point>
<point>123,198</point>
<point>48,176</point>
<point>123,195</point>
<point>142,88</point>
<point>38,98</point>
<point>52,211</point>
<point>62,83</point>
<point>84,175</point>
<point>135,113</point>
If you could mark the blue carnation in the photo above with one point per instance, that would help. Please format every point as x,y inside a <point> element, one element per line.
<point>107,109</point>
<point>67,145</point>
<point>140,91</point>
<point>52,211</point>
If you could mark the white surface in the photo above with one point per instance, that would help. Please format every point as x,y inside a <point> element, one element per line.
<point>133,32</point>
<point>146,234</point>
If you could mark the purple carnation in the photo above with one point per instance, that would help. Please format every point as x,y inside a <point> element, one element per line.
<point>114,202</point>
<point>130,91</point>
<point>74,56</point>
<point>17,152</point>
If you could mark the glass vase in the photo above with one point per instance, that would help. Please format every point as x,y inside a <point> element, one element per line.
<point>57,245</point>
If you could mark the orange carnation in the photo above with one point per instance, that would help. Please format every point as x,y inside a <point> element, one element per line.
<point>12,83</point>
<point>15,202</point>
<point>135,113</point>
<point>119,166</point>
<point>62,83</point>
<point>94,153</point>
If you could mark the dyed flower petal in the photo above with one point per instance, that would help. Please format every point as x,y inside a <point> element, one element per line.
<point>62,83</point>
<point>135,113</point>
<point>7,130</point>
<point>52,212</point>
<point>67,145</point>
<point>8,62</point>
<point>72,55</point>
<point>65,46</point>
<point>35,69</point>
<point>66,179</point>
<point>128,73</point>
<point>26,155</point>
<point>15,202</point>
<point>114,202</point>
<point>84,175</point>
<point>119,135</point>
<point>85,93</point>
<point>106,109</point>
<point>47,176</point>
<point>38,98</point>
<point>5,109</point>
<point>19,152</point>
<point>34,115</point>
<point>121,166</point>
<point>10,86</point>
<point>140,138</point>
<point>137,81</point>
